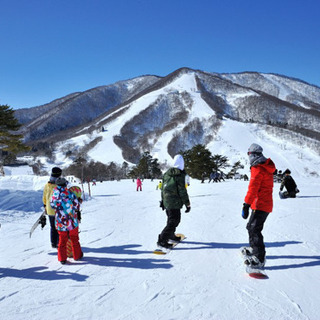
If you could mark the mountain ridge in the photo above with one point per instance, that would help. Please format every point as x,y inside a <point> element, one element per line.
<point>185,108</point>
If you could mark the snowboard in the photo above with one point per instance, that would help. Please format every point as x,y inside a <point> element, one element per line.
<point>164,250</point>
<point>256,273</point>
<point>69,249</point>
<point>34,227</point>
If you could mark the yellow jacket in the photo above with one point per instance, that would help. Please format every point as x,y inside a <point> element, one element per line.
<point>47,194</point>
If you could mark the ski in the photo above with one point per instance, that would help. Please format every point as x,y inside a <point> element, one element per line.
<point>34,227</point>
<point>161,251</point>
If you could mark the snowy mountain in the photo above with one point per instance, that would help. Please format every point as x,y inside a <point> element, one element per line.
<point>78,108</point>
<point>173,113</point>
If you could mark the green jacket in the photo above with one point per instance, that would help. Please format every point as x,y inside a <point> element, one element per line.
<point>174,193</point>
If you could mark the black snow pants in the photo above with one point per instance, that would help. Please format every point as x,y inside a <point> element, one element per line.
<point>174,217</point>
<point>254,227</point>
<point>54,235</point>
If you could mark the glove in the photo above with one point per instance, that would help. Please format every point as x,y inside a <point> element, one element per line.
<point>245,210</point>
<point>188,209</point>
<point>162,205</point>
<point>43,221</point>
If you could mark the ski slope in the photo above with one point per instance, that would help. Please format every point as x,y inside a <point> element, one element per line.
<point>202,278</point>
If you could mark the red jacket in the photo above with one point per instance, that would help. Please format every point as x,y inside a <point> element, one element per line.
<point>259,194</point>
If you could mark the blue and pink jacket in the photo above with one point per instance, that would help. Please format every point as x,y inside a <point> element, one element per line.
<point>66,206</point>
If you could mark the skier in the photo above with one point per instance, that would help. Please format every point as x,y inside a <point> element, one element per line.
<point>259,198</point>
<point>173,196</point>
<point>139,184</point>
<point>47,194</point>
<point>159,185</point>
<point>66,206</point>
<point>290,185</point>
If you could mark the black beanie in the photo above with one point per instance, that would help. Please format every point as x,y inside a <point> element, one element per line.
<point>56,172</point>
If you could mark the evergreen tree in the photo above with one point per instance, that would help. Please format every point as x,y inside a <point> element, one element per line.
<point>198,161</point>
<point>10,142</point>
<point>146,168</point>
<point>238,165</point>
<point>155,169</point>
<point>219,162</point>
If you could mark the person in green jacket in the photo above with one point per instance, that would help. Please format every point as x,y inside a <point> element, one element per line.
<point>173,196</point>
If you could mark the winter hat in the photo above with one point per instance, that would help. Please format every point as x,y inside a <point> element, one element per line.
<point>56,172</point>
<point>178,162</point>
<point>255,154</point>
<point>255,148</point>
<point>61,182</point>
<point>287,171</point>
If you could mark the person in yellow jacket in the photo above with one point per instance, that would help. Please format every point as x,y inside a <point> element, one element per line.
<point>47,194</point>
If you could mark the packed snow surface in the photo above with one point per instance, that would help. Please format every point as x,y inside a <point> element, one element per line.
<point>119,276</point>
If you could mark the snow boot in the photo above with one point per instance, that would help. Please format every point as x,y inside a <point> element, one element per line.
<point>254,262</point>
<point>246,251</point>
<point>174,239</point>
<point>164,244</point>
<point>63,261</point>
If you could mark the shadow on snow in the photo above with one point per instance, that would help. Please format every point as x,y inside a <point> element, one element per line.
<point>217,245</point>
<point>135,263</point>
<point>314,263</point>
<point>39,273</point>
<point>125,262</point>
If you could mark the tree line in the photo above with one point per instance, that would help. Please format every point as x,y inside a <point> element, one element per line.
<point>199,163</point>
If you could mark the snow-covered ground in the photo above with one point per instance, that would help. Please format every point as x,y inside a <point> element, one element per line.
<point>120,278</point>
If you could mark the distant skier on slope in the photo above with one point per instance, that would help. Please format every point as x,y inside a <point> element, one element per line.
<point>47,194</point>
<point>259,198</point>
<point>139,184</point>
<point>66,206</point>
<point>289,183</point>
<point>173,196</point>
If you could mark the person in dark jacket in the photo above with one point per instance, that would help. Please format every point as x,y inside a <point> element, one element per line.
<point>47,194</point>
<point>173,196</point>
<point>289,183</point>
<point>259,198</point>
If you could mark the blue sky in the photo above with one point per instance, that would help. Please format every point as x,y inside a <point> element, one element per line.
<point>50,48</point>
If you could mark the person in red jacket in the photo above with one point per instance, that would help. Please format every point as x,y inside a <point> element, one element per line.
<point>139,184</point>
<point>259,198</point>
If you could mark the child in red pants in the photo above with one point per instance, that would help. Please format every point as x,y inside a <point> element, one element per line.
<point>66,206</point>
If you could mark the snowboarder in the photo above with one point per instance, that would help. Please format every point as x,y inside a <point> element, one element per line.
<point>259,198</point>
<point>290,185</point>
<point>173,196</point>
<point>66,206</point>
<point>139,184</point>
<point>47,194</point>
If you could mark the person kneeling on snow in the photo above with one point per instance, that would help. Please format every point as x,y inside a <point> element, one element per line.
<point>290,185</point>
<point>66,206</point>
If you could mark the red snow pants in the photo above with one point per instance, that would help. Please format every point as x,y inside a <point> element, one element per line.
<point>62,247</point>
